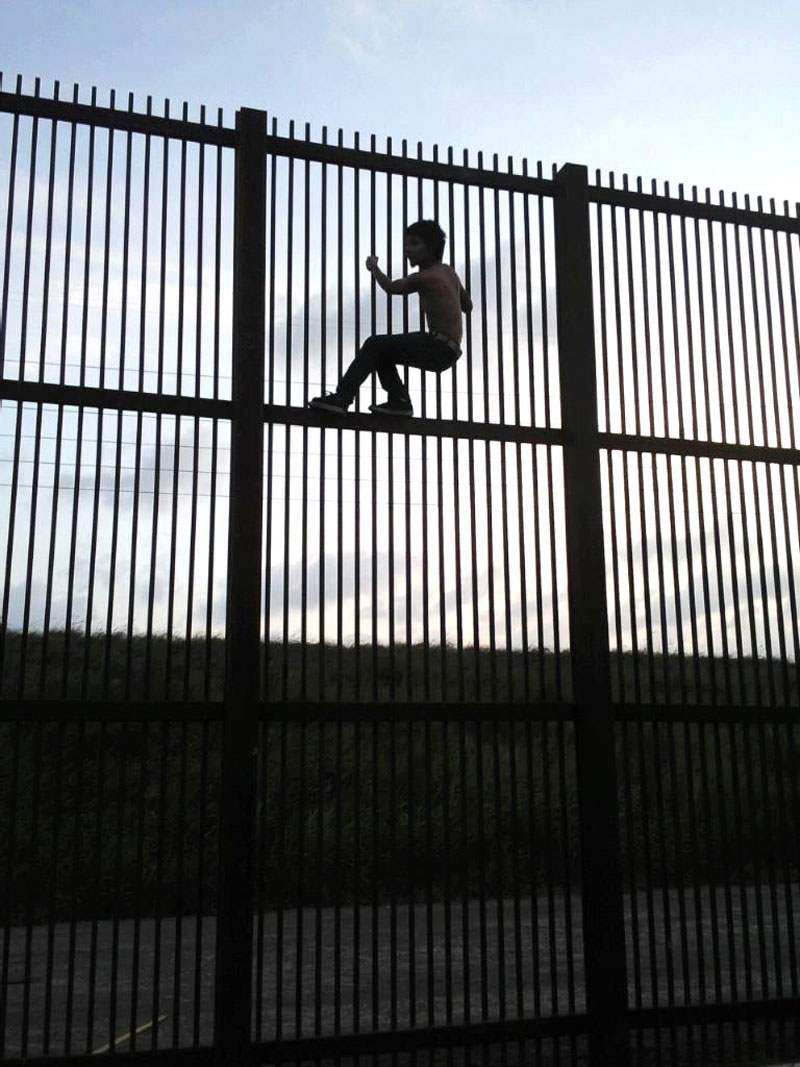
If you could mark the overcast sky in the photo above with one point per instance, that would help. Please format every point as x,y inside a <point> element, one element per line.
<point>705,93</point>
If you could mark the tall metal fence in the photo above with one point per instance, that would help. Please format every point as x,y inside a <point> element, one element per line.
<point>468,738</point>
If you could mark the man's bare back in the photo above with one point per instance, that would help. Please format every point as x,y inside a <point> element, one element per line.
<point>443,299</point>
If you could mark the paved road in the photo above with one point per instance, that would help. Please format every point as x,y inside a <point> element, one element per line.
<point>531,957</point>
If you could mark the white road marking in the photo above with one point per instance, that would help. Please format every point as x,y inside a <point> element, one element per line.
<point>119,1040</point>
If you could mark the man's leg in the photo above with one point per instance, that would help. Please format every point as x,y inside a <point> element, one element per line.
<point>381,354</point>
<point>377,354</point>
<point>384,353</point>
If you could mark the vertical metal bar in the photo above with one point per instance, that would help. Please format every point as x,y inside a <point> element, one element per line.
<point>520,497</point>
<point>393,883</point>
<point>671,492</point>
<point>60,418</point>
<point>141,792</point>
<point>190,579</point>
<point>447,886</point>
<point>120,424</point>
<point>488,467</point>
<point>57,805</point>
<point>390,461</point>
<point>564,808</point>
<point>708,822</point>
<point>81,409</point>
<point>678,836</point>
<point>466,884</point>
<point>549,450</point>
<point>281,881</point>
<point>12,185</point>
<point>429,861</point>
<point>145,216</point>
<point>471,452</point>
<point>357,875</point>
<point>627,761</point>
<point>610,470</point>
<point>288,432</point>
<point>38,430</point>
<point>161,835</point>
<point>659,762</point>
<point>212,521</point>
<point>235,909</point>
<point>36,775</point>
<point>604,938</point>
<point>201,880</point>
<point>178,868</point>
<point>756,674</point>
<point>323,355</point>
<point>721,584</point>
<point>498,871</point>
<point>261,883</point>
<point>267,686</point>
<point>547,768</point>
<point>339,434</point>
<point>304,566</point>
<point>321,871</point>
<point>516,877</point>
<point>337,881</point>
<point>444,657</point>
<point>375,901</point>
<point>88,646</point>
<point>480,848</point>
<point>12,520</point>
<point>373,440</point>
<point>643,492</point>
<point>628,460</point>
<point>409,666</point>
<point>76,864</point>
<point>729,317</point>
<point>178,443</point>
<point>357,463</point>
<point>26,272</point>
<point>148,673</point>
<point>534,852</point>
<point>693,432</point>
<point>657,481</point>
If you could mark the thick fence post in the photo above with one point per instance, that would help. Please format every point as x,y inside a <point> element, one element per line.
<point>603,923</point>
<point>233,1004</point>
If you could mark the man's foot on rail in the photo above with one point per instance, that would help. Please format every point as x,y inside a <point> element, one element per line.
<point>392,407</point>
<point>329,402</point>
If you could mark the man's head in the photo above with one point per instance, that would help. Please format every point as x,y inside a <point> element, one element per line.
<point>424,242</point>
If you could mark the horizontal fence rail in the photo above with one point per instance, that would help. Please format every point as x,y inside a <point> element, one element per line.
<point>475,733</point>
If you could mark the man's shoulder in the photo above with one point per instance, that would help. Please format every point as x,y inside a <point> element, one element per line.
<point>439,272</point>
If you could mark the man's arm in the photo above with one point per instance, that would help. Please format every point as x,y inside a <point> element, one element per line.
<point>409,284</point>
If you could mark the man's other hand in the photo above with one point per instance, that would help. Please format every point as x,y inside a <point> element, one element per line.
<point>372,263</point>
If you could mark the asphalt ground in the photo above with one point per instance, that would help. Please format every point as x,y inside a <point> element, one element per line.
<point>83,987</point>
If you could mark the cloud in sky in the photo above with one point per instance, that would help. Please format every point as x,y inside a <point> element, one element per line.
<point>676,92</point>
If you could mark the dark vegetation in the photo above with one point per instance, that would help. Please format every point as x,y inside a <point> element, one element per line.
<point>102,817</point>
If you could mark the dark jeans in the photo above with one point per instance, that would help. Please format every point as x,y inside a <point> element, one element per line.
<point>383,353</point>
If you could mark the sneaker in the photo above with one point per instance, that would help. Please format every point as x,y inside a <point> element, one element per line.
<point>392,407</point>
<point>329,402</point>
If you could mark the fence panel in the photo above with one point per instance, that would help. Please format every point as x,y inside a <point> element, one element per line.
<point>405,763</point>
<point>116,275</point>
<point>416,873</point>
<point>108,846</point>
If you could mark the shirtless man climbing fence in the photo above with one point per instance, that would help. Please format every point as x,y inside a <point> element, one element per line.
<point>443,299</point>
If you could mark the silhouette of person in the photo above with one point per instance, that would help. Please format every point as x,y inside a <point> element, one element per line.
<point>443,299</point>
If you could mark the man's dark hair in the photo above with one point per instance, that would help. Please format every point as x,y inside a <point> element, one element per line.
<point>431,233</point>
